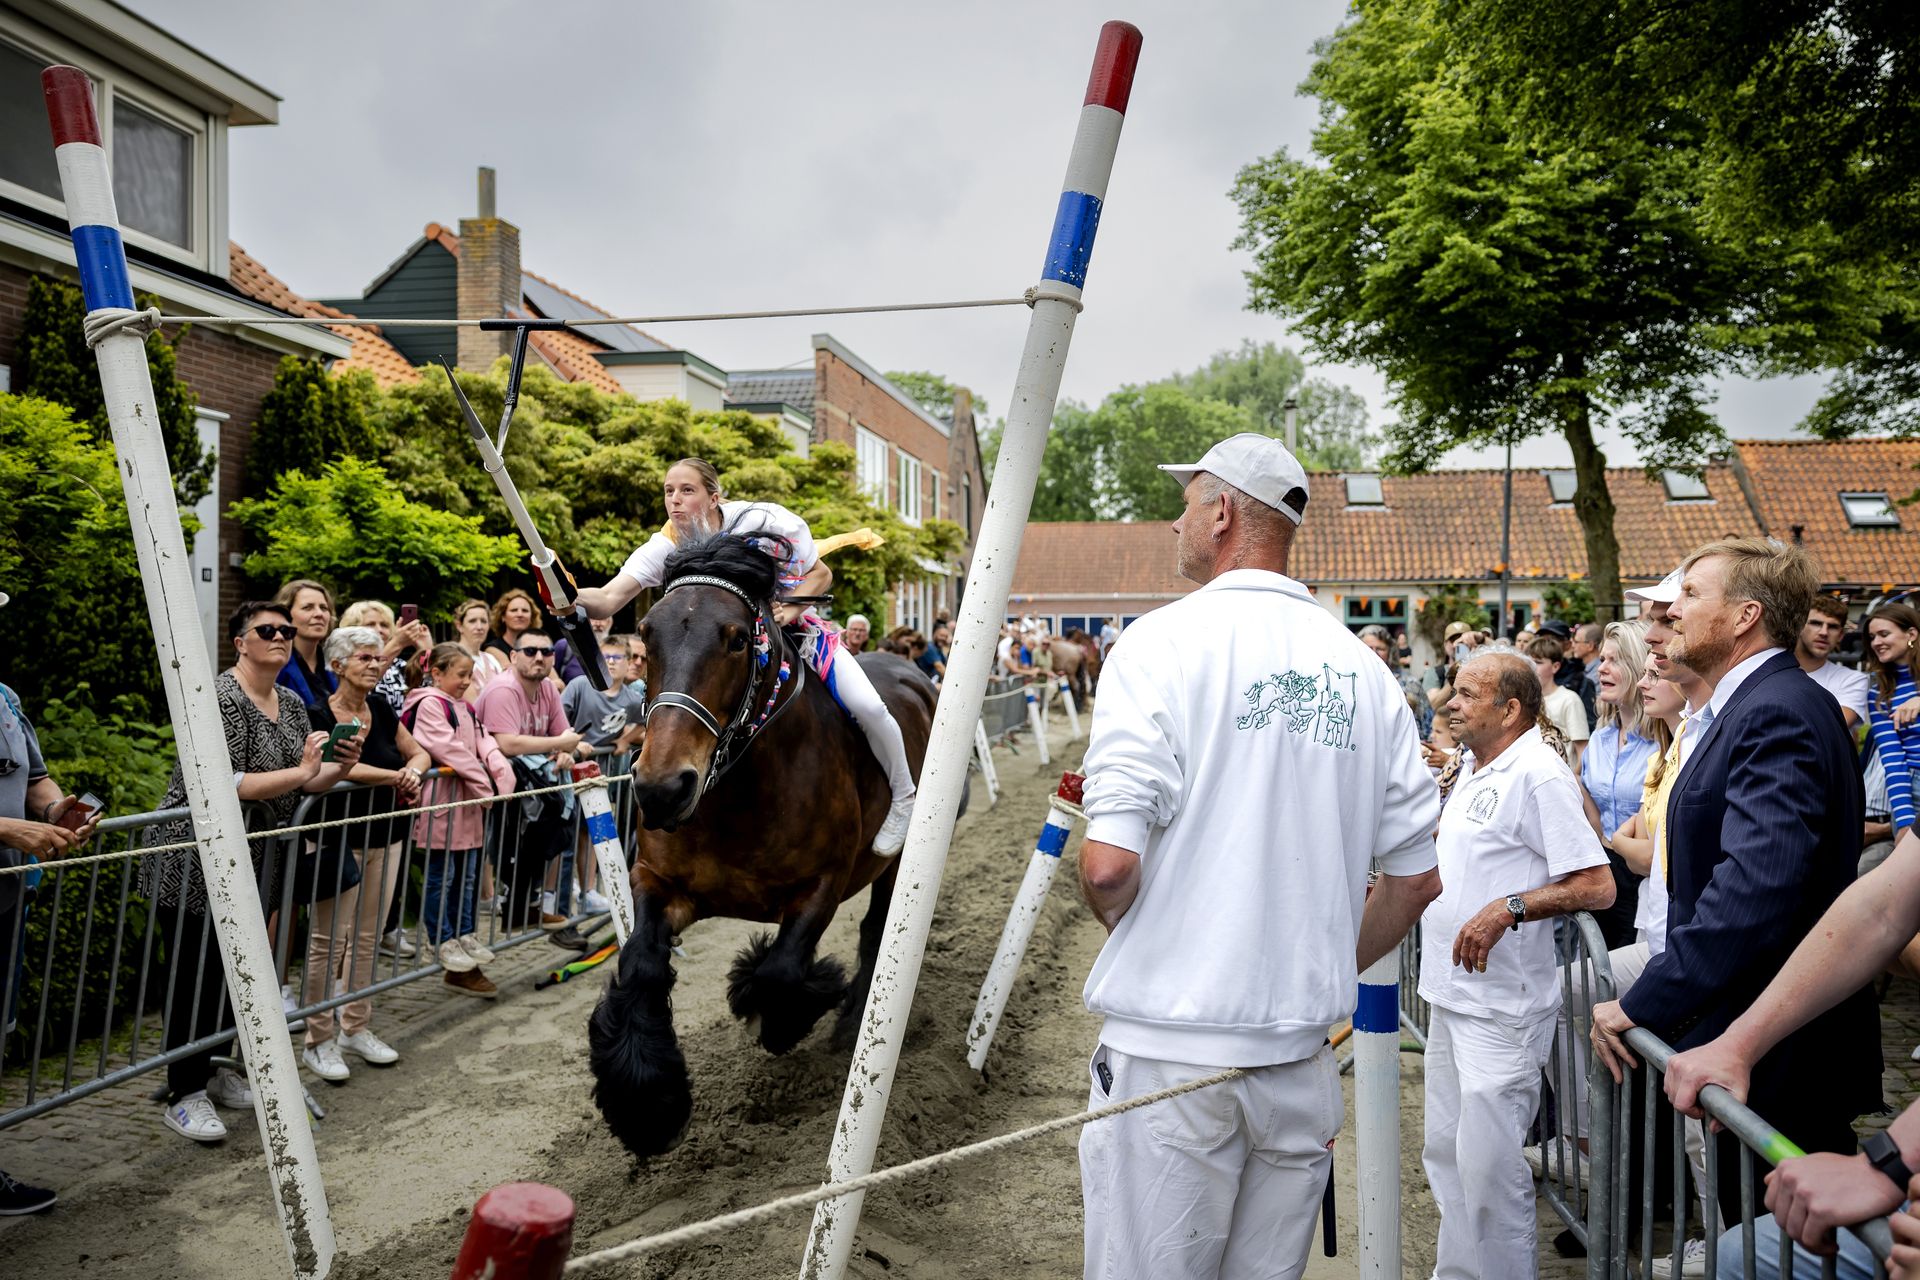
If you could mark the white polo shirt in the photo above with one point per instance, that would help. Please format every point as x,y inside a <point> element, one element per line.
<point>1512,826</point>
<point>1848,687</point>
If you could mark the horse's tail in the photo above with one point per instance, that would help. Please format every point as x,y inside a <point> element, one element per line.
<point>640,1075</point>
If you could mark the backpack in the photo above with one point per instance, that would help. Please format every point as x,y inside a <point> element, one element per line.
<point>412,713</point>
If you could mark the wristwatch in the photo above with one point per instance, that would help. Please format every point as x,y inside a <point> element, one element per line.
<point>1517,907</point>
<point>1883,1153</point>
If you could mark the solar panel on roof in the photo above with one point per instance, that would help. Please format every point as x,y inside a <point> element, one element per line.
<point>557,304</point>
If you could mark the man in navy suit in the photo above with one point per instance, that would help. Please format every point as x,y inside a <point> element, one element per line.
<point>1762,837</point>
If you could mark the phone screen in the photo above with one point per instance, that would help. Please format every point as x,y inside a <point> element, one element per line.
<point>81,812</point>
<point>409,613</point>
<point>337,735</point>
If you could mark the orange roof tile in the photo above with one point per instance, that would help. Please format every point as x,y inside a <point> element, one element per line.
<point>371,351</point>
<point>450,241</point>
<point>572,358</point>
<point>1800,483</point>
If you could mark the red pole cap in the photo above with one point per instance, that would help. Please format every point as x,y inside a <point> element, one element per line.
<point>69,95</point>
<point>585,769</point>
<point>1114,59</point>
<point>1070,785</point>
<point>519,1231</point>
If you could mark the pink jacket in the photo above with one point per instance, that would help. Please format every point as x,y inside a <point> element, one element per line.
<point>465,747</point>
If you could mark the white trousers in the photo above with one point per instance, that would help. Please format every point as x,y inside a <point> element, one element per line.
<point>1483,1086</point>
<point>1223,1182</point>
<point>862,701</point>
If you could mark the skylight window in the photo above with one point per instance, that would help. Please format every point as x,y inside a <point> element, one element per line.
<point>1682,487</point>
<point>1869,511</point>
<point>1560,484</point>
<point>1364,491</point>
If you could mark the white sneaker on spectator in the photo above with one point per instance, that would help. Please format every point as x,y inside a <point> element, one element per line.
<point>497,905</point>
<point>370,1048</point>
<point>396,943</point>
<point>324,1060</point>
<point>1558,1159</point>
<point>1693,1261</point>
<point>594,903</point>
<point>228,1088</point>
<point>455,958</point>
<point>471,944</point>
<point>288,1003</point>
<point>546,904</point>
<point>193,1117</point>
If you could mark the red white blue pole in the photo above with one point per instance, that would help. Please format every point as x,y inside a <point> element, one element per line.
<point>1376,1112</point>
<point>944,775</point>
<point>984,750</point>
<point>186,669</point>
<point>1038,720</point>
<point>596,812</point>
<point>1062,809</point>
<point>1073,711</point>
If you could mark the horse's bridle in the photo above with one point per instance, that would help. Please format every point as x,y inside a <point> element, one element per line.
<point>732,739</point>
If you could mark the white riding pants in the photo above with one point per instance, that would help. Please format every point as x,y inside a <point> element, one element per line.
<point>861,700</point>
<point>1483,1086</point>
<point>1222,1182</point>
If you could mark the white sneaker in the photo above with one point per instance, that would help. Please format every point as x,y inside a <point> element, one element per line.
<point>370,1048</point>
<point>227,1088</point>
<point>594,903</point>
<point>497,905</point>
<point>1693,1261</point>
<point>397,944</point>
<point>287,1001</point>
<point>480,953</point>
<point>893,832</point>
<point>324,1060</point>
<point>546,904</point>
<point>1558,1160</point>
<point>454,958</point>
<point>193,1117</point>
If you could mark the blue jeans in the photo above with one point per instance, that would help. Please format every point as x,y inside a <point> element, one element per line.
<point>1855,1262</point>
<point>453,892</point>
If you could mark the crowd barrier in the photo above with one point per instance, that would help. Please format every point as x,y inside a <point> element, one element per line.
<point>100,984</point>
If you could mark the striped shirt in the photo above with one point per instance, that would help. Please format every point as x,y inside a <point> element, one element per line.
<point>1899,749</point>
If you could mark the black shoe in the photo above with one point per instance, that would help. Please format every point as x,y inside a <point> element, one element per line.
<point>569,938</point>
<point>17,1198</point>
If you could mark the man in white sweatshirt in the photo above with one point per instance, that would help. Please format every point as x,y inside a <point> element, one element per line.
<point>1515,849</point>
<point>1249,760</point>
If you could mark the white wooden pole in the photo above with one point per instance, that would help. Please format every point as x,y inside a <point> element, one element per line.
<point>984,750</point>
<point>1376,1112</point>
<point>1019,929</point>
<point>1037,720</point>
<point>1056,303</point>
<point>604,832</point>
<point>187,670</point>
<point>1073,711</point>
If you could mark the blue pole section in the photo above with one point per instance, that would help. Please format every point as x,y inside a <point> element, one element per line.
<point>1019,929</point>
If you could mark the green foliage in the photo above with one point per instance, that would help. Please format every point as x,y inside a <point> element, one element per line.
<point>1330,420</point>
<point>310,418</point>
<point>1448,603</point>
<point>119,757</point>
<point>54,364</point>
<point>935,394</point>
<point>74,967</point>
<point>1570,601</point>
<point>351,528</point>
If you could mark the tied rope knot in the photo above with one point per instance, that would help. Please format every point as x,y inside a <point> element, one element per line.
<point>104,322</point>
<point>1053,293</point>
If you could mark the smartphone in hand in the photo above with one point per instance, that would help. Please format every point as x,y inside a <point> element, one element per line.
<point>80,812</point>
<point>409,613</point>
<point>337,735</point>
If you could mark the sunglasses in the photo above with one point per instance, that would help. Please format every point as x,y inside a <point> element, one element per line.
<point>536,651</point>
<point>274,631</point>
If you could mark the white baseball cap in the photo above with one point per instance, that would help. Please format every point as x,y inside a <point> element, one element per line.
<point>1666,591</point>
<point>1259,466</point>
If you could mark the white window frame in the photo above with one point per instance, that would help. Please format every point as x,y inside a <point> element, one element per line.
<point>907,504</point>
<point>870,463</point>
<point>938,480</point>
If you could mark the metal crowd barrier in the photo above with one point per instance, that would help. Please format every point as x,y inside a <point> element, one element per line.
<point>88,970</point>
<point>1614,1211</point>
<point>1004,709</point>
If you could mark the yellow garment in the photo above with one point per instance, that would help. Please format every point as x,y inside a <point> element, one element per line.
<point>1653,802</point>
<point>861,539</point>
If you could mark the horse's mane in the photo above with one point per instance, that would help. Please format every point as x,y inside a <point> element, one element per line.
<point>739,558</point>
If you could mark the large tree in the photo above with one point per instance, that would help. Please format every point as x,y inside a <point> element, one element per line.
<point>1510,276</point>
<point>1330,419</point>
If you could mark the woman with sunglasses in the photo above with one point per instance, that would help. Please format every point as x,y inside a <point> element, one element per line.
<point>277,755</point>
<point>695,507</point>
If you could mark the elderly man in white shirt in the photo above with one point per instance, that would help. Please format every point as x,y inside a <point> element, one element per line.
<point>1515,849</point>
<point>1249,760</point>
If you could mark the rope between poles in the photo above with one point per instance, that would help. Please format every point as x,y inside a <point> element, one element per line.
<point>880,1177</point>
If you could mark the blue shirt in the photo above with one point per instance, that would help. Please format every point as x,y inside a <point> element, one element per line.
<point>1899,748</point>
<point>1614,771</point>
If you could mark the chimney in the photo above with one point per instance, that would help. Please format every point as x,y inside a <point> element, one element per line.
<point>488,280</point>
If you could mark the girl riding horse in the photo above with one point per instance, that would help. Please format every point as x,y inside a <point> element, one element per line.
<point>695,507</point>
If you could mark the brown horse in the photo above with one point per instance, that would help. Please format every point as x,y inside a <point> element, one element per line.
<point>1078,661</point>
<point>785,837</point>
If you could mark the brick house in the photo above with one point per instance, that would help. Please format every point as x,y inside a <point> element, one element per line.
<point>1375,546</point>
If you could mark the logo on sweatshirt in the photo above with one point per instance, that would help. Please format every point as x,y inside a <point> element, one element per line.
<point>1320,705</point>
<point>1485,801</point>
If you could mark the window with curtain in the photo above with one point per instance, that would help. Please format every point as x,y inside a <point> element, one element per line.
<point>27,161</point>
<point>152,175</point>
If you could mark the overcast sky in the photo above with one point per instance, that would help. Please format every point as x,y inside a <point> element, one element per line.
<point>733,156</point>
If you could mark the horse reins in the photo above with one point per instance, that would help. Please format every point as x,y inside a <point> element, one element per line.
<point>728,749</point>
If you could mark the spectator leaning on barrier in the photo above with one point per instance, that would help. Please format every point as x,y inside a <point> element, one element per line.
<point>522,711</point>
<point>309,606</point>
<point>1613,768</point>
<point>1515,849</point>
<point>1893,704</point>
<point>32,829</point>
<point>344,930</point>
<point>473,620</point>
<point>1826,626</point>
<point>277,755</point>
<point>445,724</point>
<point>398,646</point>
<point>1205,881</point>
<point>1762,833</point>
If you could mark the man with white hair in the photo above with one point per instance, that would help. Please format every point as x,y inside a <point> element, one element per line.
<point>855,634</point>
<point>1249,759</point>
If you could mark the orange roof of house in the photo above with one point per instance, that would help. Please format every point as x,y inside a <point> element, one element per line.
<point>371,351</point>
<point>1799,483</point>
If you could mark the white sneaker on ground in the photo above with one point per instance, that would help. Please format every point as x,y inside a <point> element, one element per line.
<point>193,1117</point>
<point>324,1060</point>
<point>893,832</point>
<point>1558,1159</point>
<point>370,1048</point>
<point>454,958</point>
<point>477,950</point>
<point>1693,1261</point>
<point>397,944</point>
<point>594,903</point>
<point>228,1088</point>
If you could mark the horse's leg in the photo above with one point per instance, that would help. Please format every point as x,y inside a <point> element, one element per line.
<point>777,985</point>
<point>847,1028</point>
<point>640,1077</point>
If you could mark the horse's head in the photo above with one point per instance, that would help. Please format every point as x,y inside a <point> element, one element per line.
<point>708,641</point>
